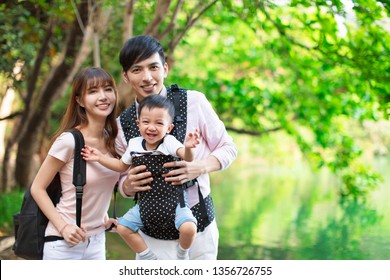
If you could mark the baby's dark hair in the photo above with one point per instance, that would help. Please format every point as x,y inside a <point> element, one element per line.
<point>157,101</point>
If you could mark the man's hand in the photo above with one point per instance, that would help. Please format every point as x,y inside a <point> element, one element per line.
<point>186,171</point>
<point>137,180</point>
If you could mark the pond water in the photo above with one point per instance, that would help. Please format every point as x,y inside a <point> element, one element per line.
<point>290,213</point>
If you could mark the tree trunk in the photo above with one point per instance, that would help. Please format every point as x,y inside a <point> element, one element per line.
<point>21,126</point>
<point>78,47</point>
<point>128,20</point>
<point>54,86</point>
<point>33,127</point>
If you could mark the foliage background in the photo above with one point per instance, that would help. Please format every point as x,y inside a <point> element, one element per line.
<point>317,71</point>
<point>292,80</point>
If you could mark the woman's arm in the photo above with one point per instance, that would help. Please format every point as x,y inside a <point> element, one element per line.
<point>45,175</point>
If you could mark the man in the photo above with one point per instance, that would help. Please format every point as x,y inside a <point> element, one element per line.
<point>144,70</point>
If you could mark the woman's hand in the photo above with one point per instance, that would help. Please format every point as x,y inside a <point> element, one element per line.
<point>73,234</point>
<point>111,224</point>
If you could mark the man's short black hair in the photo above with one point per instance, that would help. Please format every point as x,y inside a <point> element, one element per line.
<point>139,48</point>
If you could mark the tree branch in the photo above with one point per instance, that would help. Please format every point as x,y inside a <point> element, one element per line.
<point>172,23</point>
<point>190,22</point>
<point>11,116</point>
<point>128,20</point>
<point>160,13</point>
<point>251,132</point>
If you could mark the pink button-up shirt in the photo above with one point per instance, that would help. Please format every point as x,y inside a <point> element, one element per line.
<point>97,191</point>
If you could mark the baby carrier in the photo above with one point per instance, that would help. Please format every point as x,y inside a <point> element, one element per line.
<point>157,206</point>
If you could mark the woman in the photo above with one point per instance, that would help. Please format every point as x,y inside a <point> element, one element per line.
<point>91,110</point>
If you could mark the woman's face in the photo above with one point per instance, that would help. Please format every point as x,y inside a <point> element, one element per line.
<point>99,101</point>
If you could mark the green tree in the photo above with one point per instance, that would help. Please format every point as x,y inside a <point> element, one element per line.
<point>311,68</point>
<point>51,58</point>
<point>54,58</point>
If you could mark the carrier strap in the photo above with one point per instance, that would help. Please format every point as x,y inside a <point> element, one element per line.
<point>204,210</point>
<point>178,97</point>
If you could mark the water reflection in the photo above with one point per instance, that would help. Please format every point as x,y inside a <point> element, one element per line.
<point>297,218</point>
<point>289,214</point>
<point>341,236</point>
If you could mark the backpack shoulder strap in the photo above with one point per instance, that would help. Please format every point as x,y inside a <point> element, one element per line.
<point>79,172</point>
<point>178,96</point>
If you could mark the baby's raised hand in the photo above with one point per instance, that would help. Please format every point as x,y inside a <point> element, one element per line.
<point>192,139</point>
<point>90,154</point>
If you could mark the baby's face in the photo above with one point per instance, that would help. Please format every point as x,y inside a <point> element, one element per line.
<point>153,125</point>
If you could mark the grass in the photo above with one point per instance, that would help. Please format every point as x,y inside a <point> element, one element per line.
<point>10,204</point>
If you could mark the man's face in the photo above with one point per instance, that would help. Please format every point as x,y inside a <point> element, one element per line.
<point>147,76</point>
